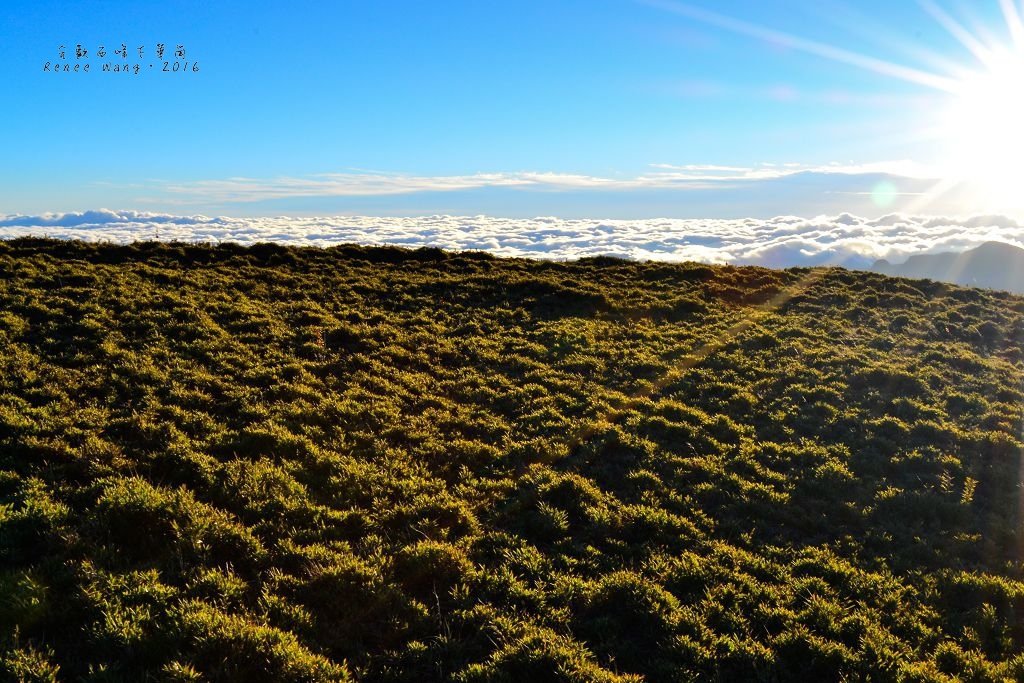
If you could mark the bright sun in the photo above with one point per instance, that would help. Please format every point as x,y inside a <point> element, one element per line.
<point>976,141</point>
<point>984,129</point>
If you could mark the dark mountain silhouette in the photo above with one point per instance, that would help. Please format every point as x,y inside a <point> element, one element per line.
<point>995,265</point>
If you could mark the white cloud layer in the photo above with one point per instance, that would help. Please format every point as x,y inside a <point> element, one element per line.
<point>778,242</point>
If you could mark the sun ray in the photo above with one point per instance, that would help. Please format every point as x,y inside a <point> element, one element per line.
<point>1013,21</point>
<point>837,54</point>
<point>748,319</point>
<point>870,28</point>
<point>936,192</point>
<point>955,29</point>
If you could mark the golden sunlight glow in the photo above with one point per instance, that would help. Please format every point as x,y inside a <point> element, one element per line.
<point>984,130</point>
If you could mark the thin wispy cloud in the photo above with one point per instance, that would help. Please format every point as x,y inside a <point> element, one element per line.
<point>662,176</point>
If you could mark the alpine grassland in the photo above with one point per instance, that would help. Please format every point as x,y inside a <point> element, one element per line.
<point>272,463</point>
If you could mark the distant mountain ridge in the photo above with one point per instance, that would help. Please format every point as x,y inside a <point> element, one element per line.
<point>995,265</point>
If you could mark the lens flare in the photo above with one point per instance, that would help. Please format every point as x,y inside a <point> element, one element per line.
<point>884,194</point>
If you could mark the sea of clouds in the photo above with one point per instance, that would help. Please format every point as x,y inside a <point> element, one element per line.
<point>777,242</point>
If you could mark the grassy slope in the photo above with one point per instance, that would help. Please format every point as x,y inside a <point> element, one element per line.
<point>286,464</point>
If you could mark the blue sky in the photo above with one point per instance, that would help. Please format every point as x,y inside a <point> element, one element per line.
<point>555,107</point>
